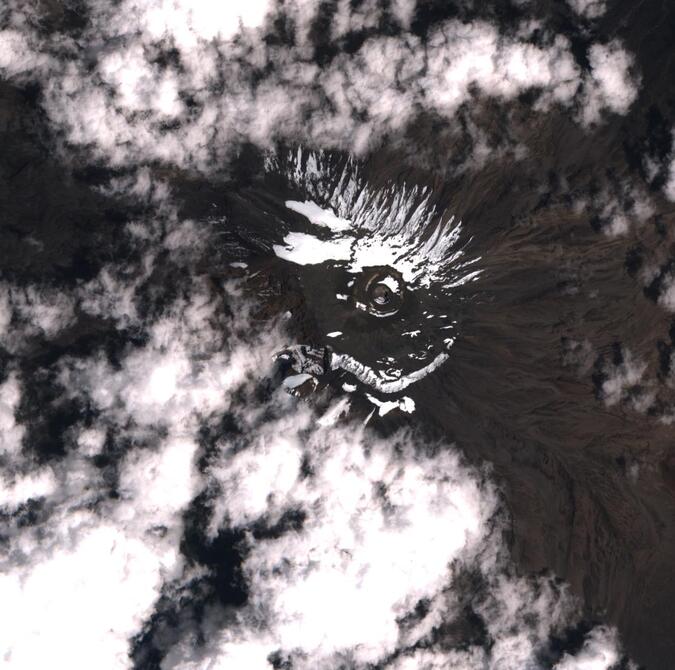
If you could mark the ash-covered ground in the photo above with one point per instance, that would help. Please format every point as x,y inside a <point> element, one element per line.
<point>337,335</point>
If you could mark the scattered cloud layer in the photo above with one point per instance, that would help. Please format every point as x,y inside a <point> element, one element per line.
<point>185,83</point>
<point>349,548</point>
<point>102,536</point>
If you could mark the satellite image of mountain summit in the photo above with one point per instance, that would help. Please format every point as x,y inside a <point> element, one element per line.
<point>337,335</point>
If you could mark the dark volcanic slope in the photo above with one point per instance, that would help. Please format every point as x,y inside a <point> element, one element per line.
<point>561,374</point>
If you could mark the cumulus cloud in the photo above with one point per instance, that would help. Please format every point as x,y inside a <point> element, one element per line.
<point>10,431</point>
<point>106,521</point>
<point>623,380</point>
<point>578,355</point>
<point>161,383</point>
<point>20,489</point>
<point>619,208</point>
<point>404,10</point>
<point>31,312</point>
<point>368,547</point>
<point>599,652</point>
<point>653,268</point>
<point>86,548</point>
<point>185,83</point>
<point>371,567</point>
<point>589,9</point>
<point>20,55</point>
<point>103,566</point>
<point>611,86</point>
<point>667,293</point>
<point>669,188</point>
<point>621,377</point>
<point>78,581</point>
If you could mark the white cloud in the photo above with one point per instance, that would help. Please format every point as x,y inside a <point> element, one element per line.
<point>379,534</point>
<point>78,606</point>
<point>611,85</point>
<point>11,433</point>
<point>46,311</point>
<point>32,311</point>
<point>5,311</point>
<point>79,583</point>
<point>404,11</point>
<point>139,85</point>
<point>160,483</point>
<point>589,9</point>
<point>90,441</point>
<point>190,21</point>
<point>384,524</point>
<point>83,578</point>
<point>372,560</point>
<point>620,208</point>
<point>384,527</point>
<point>20,489</point>
<point>621,377</point>
<point>669,188</point>
<point>599,652</point>
<point>20,54</point>
<point>165,383</point>
<point>108,296</point>
<point>667,293</point>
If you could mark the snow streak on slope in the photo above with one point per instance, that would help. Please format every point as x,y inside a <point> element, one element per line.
<point>396,226</point>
